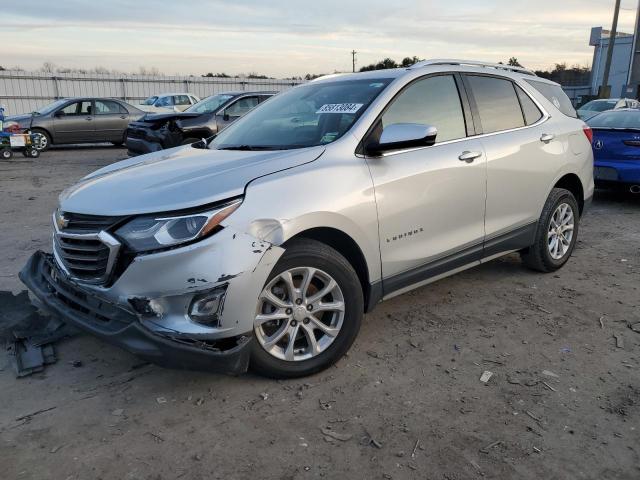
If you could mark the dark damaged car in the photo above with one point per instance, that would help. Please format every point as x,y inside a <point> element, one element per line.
<point>159,131</point>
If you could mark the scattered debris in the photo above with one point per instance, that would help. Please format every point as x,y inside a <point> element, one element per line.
<point>490,446</point>
<point>343,437</point>
<point>28,334</point>
<point>368,440</point>
<point>156,438</point>
<point>76,363</point>
<point>601,322</point>
<point>549,386</point>
<point>619,340</point>
<point>537,419</point>
<point>415,447</point>
<point>264,395</point>
<point>161,400</point>
<point>117,412</point>
<point>635,327</point>
<point>56,448</point>
<point>486,375</point>
<point>565,350</point>
<point>549,373</point>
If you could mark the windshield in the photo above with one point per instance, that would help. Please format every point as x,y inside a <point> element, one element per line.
<point>616,119</point>
<point>150,101</point>
<point>51,107</point>
<point>599,106</point>
<point>209,104</point>
<point>305,116</point>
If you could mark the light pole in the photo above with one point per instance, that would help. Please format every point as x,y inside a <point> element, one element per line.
<point>605,89</point>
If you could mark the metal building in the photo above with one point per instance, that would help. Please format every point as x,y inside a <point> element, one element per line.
<point>620,63</point>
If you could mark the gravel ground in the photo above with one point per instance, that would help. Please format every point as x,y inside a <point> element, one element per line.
<point>406,402</point>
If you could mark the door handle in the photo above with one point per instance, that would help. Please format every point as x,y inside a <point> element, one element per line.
<point>469,157</point>
<point>123,116</point>
<point>547,137</point>
<point>89,119</point>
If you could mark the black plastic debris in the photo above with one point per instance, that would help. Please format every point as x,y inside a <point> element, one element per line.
<point>29,335</point>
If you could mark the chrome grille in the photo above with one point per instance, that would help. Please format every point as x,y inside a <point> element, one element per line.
<point>83,248</point>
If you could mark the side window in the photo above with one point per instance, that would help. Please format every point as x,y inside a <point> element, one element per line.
<point>85,108</point>
<point>182,100</point>
<point>241,107</point>
<point>71,109</point>
<point>432,101</point>
<point>531,112</point>
<point>165,102</point>
<point>497,103</point>
<point>556,96</point>
<point>107,107</point>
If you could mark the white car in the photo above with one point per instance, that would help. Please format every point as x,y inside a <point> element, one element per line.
<point>168,101</point>
<point>594,107</point>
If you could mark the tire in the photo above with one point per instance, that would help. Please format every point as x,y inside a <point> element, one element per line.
<point>189,141</point>
<point>45,140</point>
<point>32,153</point>
<point>305,255</point>
<point>539,256</point>
<point>6,153</point>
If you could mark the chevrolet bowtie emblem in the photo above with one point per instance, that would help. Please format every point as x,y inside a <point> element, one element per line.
<point>61,222</point>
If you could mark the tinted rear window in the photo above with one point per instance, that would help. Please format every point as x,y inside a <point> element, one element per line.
<point>497,103</point>
<point>556,96</point>
<point>531,112</point>
<point>617,119</point>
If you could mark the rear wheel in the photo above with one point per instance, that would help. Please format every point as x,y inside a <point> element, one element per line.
<point>308,313</point>
<point>557,232</point>
<point>6,153</point>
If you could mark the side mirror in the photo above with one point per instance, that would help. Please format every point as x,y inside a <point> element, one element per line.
<point>225,116</point>
<point>59,113</point>
<point>403,135</point>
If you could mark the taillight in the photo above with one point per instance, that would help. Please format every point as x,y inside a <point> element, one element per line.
<point>632,143</point>
<point>588,132</point>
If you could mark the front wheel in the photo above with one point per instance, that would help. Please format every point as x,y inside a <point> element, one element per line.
<point>308,313</point>
<point>43,139</point>
<point>556,234</point>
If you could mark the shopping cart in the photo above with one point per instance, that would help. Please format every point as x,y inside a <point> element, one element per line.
<point>11,141</point>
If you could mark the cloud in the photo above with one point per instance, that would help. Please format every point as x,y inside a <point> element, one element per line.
<point>283,38</point>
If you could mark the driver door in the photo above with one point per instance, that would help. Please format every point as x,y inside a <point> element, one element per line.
<point>74,123</point>
<point>431,200</point>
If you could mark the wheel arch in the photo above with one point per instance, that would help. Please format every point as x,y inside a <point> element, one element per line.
<point>572,182</point>
<point>349,248</point>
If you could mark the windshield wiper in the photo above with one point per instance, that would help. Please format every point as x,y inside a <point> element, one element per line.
<point>247,147</point>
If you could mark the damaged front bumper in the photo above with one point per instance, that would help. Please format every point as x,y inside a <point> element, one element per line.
<point>146,310</point>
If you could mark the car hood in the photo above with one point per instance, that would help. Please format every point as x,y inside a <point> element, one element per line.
<point>175,179</point>
<point>164,117</point>
<point>24,118</point>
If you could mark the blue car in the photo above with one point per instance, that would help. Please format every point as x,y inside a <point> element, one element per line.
<point>616,148</point>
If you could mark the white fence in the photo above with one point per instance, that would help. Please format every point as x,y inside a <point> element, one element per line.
<point>22,92</point>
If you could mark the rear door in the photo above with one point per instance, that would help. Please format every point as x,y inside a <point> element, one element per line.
<point>111,120</point>
<point>430,199</point>
<point>74,123</point>
<point>522,157</point>
<point>181,102</point>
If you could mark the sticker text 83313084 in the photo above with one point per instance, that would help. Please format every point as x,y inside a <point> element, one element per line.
<point>340,108</point>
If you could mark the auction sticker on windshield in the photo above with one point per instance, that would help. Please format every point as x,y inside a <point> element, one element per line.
<point>340,108</point>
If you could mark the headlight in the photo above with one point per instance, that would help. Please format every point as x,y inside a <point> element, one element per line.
<point>153,232</point>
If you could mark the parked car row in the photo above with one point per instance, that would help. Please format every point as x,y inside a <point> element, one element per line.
<point>158,123</point>
<point>594,107</point>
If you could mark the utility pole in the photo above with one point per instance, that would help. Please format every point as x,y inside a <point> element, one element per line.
<point>353,60</point>
<point>605,89</point>
<point>633,81</point>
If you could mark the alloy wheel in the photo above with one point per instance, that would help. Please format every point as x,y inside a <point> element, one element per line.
<point>560,232</point>
<point>299,315</point>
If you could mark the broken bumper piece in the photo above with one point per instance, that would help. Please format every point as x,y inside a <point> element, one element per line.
<point>62,297</point>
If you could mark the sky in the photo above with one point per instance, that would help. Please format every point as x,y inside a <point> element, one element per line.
<point>283,38</point>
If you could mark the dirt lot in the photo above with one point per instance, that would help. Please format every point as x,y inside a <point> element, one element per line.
<point>407,398</point>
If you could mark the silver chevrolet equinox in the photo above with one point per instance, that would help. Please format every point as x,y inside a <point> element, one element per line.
<point>264,246</point>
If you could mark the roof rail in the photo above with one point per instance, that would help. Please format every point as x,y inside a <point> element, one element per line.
<point>471,63</point>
